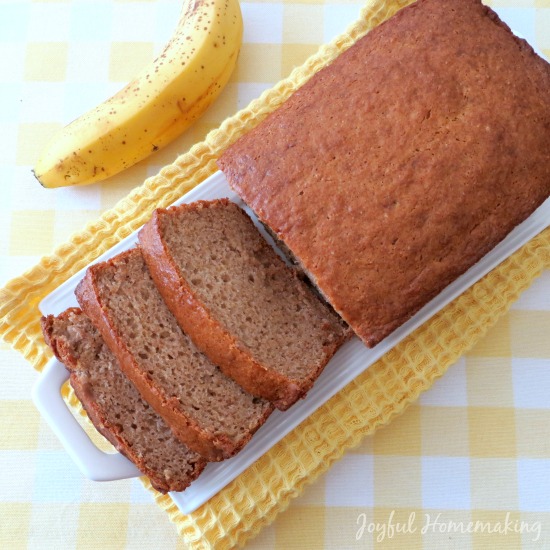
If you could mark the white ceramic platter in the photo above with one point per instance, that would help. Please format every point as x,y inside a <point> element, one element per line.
<point>350,361</point>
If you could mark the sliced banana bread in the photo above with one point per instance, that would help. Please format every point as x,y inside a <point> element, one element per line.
<point>238,301</point>
<point>114,405</point>
<point>206,410</point>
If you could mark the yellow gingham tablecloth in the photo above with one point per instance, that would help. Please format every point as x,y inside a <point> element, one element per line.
<point>466,466</point>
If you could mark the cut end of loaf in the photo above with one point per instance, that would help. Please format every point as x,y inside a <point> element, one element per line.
<point>115,406</point>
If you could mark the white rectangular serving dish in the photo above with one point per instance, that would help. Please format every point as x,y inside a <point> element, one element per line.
<point>350,361</point>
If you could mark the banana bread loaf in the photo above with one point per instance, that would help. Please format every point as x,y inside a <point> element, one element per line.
<point>238,301</point>
<point>401,164</point>
<point>115,406</point>
<point>207,411</point>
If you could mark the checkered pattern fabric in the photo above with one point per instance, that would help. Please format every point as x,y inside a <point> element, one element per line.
<point>467,466</point>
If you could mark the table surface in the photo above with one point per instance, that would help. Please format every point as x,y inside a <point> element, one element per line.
<point>468,466</point>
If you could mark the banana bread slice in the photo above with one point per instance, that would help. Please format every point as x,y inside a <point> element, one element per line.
<point>206,410</point>
<point>115,406</point>
<point>238,301</point>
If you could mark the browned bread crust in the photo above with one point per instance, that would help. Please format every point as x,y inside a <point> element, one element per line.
<point>212,334</point>
<point>212,445</point>
<point>401,164</point>
<point>86,357</point>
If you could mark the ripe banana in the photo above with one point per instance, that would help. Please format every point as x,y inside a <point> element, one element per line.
<point>157,106</point>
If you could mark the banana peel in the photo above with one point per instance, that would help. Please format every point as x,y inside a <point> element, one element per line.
<point>157,106</point>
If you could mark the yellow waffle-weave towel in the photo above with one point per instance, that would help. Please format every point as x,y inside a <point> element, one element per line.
<point>255,498</point>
